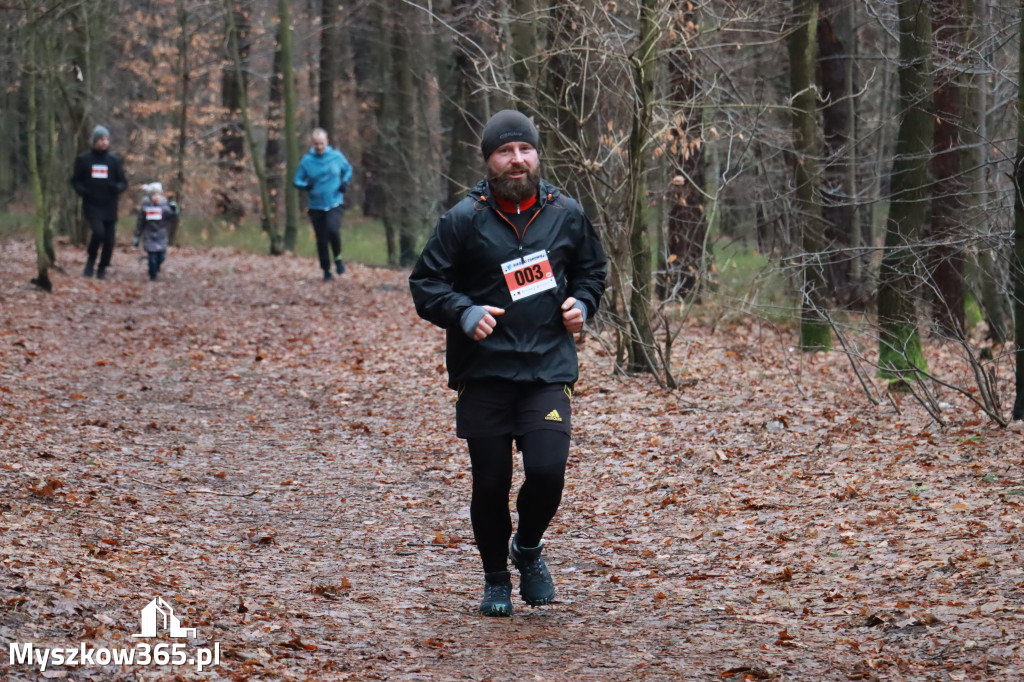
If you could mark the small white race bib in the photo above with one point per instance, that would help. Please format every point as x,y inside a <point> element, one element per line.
<point>528,275</point>
<point>100,171</point>
<point>154,213</point>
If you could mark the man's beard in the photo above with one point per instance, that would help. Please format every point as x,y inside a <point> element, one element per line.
<point>515,189</point>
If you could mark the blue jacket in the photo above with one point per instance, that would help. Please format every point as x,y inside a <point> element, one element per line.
<point>324,175</point>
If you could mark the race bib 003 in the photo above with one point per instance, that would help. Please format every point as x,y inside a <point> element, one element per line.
<point>529,275</point>
<point>154,213</point>
<point>100,171</point>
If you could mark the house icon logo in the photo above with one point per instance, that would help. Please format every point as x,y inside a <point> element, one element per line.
<point>158,614</point>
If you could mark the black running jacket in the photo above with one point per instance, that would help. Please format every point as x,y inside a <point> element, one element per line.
<point>475,256</point>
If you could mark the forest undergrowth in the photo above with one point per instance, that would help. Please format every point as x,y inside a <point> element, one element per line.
<point>274,457</point>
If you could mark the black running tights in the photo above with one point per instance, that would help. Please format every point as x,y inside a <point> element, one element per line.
<point>544,457</point>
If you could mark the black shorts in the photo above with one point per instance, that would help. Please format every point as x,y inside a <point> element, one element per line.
<point>511,408</point>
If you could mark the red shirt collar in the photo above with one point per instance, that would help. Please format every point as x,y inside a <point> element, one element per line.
<point>513,207</point>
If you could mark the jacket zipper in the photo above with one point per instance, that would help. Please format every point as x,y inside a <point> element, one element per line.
<point>522,258</point>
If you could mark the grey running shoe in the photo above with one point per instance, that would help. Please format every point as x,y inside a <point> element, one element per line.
<point>497,594</point>
<point>535,584</point>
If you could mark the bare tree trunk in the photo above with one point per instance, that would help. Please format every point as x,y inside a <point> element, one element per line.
<point>641,335</point>
<point>410,154</point>
<point>838,210</point>
<point>687,225</point>
<point>266,219</point>
<point>523,27</point>
<point>11,155</point>
<point>1017,264</point>
<point>899,349</point>
<point>330,64</point>
<point>273,154</point>
<point>570,136</point>
<point>291,139</point>
<point>945,254</point>
<point>184,76</point>
<point>234,85</point>
<point>468,110</point>
<point>43,261</point>
<point>815,331</point>
<point>89,58</point>
<point>380,160</point>
<point>975,138</point>
<point>52,170</point>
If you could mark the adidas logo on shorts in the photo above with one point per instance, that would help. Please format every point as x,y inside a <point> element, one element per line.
<point>553,416</point>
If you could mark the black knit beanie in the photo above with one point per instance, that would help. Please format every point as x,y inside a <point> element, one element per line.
<point>97,133</point>
<point>507,126</point>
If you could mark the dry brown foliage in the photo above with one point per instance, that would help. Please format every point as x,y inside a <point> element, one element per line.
<point>275,457</point>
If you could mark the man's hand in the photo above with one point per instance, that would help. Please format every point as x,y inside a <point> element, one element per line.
<point>572,317</point>
<point>485,327</point>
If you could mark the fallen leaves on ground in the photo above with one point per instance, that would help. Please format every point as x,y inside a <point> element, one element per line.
<point>274,457</point>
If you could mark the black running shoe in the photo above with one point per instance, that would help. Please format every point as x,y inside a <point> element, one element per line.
<point>340,267</point>
<point>497,594</point>
<point>328,276</point>
<point>535,584</point>
<point>89,270</point>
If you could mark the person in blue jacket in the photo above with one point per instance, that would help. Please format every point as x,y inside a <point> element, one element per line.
<point>324,172</point>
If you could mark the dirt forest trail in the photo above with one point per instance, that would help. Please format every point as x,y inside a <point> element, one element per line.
<point>274,456</point>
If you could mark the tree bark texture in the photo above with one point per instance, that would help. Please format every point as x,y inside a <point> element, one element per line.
<point>291,139</point>
<point>975,141</point>
<point>468,108</point>
<point>947,229</point>
<point>43,263</point>
<point>330,65</point>
<point>184,79</point>
<point>266,218</point>
<point>901,271</point>
<point>686,223</point>
<point>1017,263</point>
<point>234,88</point>
<point>524,45</point>
<point>838,210</point>
<point>641,335</point>
<point>815,331</point>
<point>570,137</point>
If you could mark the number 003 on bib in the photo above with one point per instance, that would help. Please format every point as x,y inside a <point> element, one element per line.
<point>528,275</point>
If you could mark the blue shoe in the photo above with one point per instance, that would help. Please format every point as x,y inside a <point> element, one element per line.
<point>328,276</point>
<point>340,267</point>
<point>497,594</point>
<point>89,270</point>
<point>535,584</point>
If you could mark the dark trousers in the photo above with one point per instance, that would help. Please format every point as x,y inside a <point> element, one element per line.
<point>544,458</point>
<point>327,228</point>
<point>156,259</point>
<point>103,234</point>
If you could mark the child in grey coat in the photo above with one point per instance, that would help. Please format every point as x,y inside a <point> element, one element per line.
<point>153,227</point>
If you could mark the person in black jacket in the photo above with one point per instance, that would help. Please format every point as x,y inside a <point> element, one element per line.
<point>99,178</point>
<point>512,273</point>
